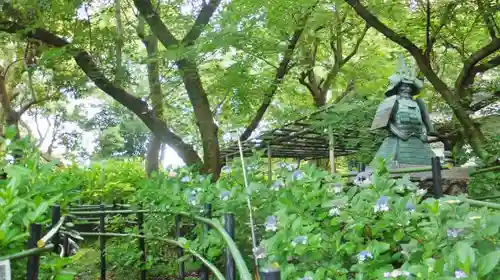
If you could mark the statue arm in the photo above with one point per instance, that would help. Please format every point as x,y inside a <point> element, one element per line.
<point>425,116</point>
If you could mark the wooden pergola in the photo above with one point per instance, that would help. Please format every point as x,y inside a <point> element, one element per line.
<point>301,139</point>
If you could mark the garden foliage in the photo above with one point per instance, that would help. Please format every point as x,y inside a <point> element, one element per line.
<point>310,224</point>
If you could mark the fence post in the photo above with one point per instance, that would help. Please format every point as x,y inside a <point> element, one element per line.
<point>55,217</point>
<point>34,261</point>
<point>180,251</point>
<point>362,167</point>
<point>437,187</point>
<point>229,227</point>
<point>206,228</point>
<point>142,244</point>
<point>102,241</point>
<point>270,274</point>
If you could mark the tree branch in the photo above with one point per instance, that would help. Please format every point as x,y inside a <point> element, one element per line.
<point>488,20</point>
<point>135,104</point>
<point>28,105</point>
<point>356,46</point>
<point>389,33</point>
<point>200,22</point>
<point>280,74</point>
<point>154,21</point>
<point>467,74</point>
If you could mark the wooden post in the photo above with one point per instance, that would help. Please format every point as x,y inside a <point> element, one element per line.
<point>332,149</point>
<point>269,164</point>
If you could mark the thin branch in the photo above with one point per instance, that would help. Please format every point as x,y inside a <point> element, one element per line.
<point>33,102</point>
<point>348,89</point>
<point>356,46</point>
<point>148,12</point>
<point>201,21</point>
<point>466,76</point>
<point>488,19</point>
<point>10,65</point>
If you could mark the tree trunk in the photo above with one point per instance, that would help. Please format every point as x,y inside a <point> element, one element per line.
<point>204,119</point>
<point>153,155</point>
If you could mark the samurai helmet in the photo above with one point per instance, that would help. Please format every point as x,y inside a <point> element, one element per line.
<point>404,74</point>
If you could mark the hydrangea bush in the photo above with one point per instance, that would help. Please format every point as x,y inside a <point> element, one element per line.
<point>315,226</point>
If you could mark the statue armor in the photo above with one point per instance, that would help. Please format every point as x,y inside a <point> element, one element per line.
<point>408,122</point>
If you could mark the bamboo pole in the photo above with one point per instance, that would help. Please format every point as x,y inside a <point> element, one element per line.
<point>27,253</point>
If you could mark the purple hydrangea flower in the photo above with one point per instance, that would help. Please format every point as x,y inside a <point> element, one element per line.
<point>298,175</point>
<point>460,274</point>
<point>278,184</point>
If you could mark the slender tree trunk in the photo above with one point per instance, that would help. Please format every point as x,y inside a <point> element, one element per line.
<point>155,92</point>
<point>152,157</point>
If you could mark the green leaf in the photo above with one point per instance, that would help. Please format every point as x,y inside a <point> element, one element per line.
<point>487,263</point>
<point>465,253</point>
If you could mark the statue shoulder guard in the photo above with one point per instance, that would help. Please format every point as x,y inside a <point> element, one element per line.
<point>383,114</point>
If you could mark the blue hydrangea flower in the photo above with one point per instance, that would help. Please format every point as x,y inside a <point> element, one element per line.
<point>271,223</point>
<point>202,178</point>
<point>454,232</point>
<point>225,195</point>
<point>226,169</point>
<point>382,204</point>
<point>259,252</point>
<point>299,240</point>
<point>460,274</point>
<point>192,200</point>
<point>306,278</point>
<point>410,206</point>
<point>336,187</point>
<point>363,179</point>
<point>278,184</point>
<point>421,192</point>
<point>396,273</point>
<point>335,211</point>
<point>364,255</point>
<point>185,179</point>
<point>298,175</point>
